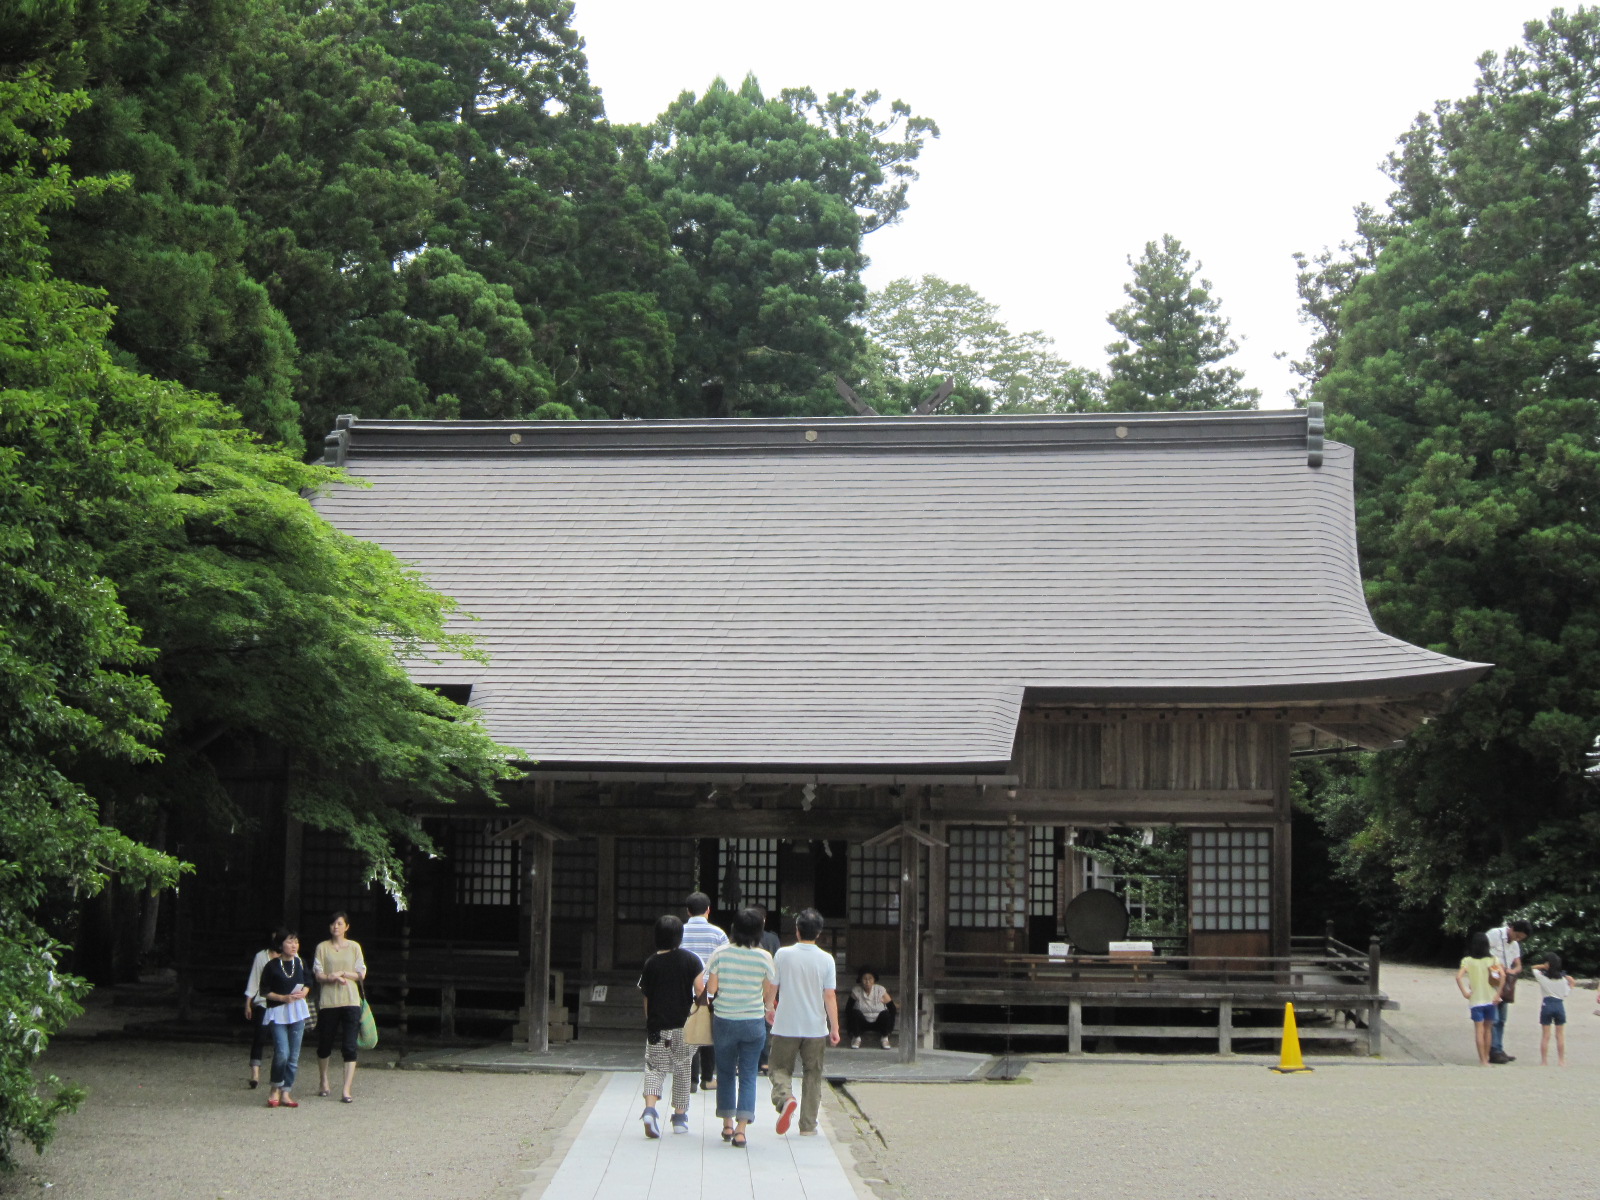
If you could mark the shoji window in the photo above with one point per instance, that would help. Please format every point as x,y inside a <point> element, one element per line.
<point>330,877</point>
<point>753,862</point>
<point>574,878</point>
<point>875,885</point>
<point>1042,871</point>
<point>653,877</point>
<point>485,870</point>
<point>1230,879</point>
<point>988,869</point>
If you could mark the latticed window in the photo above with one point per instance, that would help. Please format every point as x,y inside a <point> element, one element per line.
<point>1042,871</point>
<point>875,885</point>
<point>988,872</point>
<point>330,876</point>
<point>653,877</point>
<point>748,868</point>
<point>485,870</point>
<point>1230,879</point>
<point>574,879</point>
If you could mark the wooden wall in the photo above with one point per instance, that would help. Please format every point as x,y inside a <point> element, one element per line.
<point>1195,754</point>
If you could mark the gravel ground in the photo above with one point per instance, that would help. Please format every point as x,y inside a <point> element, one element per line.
<point>1420,1123</point>
<point>175,1120</point>
<point>169,1120</point>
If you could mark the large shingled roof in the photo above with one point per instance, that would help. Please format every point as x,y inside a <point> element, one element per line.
<point>875,593</point>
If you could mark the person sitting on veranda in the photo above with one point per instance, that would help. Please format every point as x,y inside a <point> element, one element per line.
<point>870,1010</point>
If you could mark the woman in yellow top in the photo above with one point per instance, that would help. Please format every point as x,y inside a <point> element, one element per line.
<point>339,968</point>
<point>1480,980</point>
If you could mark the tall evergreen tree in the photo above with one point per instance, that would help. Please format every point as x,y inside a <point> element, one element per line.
<point>766,202</point>
<point>1457,355</point>
<point>170,249</point>
<point>1170,356</point>
<point>549,204</point>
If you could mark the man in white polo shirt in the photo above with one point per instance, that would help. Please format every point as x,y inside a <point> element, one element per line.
<point>804,1023</point>
<point>1504,950</point>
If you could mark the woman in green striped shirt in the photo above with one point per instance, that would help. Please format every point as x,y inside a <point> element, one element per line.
<point>742,978</point>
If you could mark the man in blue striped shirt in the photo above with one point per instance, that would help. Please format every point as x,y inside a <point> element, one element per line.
<point>702,937</point>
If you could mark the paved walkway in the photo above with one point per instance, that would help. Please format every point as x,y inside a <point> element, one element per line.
<point>612,1158</point>
<point>867,1065</point>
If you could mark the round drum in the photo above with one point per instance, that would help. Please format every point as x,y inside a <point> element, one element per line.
<point>1094,920</point>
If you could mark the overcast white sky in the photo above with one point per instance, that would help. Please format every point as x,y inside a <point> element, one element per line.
<point>1074,133</point>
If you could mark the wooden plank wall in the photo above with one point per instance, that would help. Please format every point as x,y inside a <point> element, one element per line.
<point>1148,755</point>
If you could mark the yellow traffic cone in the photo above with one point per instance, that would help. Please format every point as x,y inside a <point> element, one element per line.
<point>1289,1060</point>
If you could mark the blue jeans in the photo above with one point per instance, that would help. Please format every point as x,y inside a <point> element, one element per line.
<point>286,1053</point>
<point>1497,1039</point>
<point>738,1046</point>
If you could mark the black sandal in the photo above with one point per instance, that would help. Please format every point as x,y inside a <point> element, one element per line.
<point>737,1141</point>
<point>727,1133</point>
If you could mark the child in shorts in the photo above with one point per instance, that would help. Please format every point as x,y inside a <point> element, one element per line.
<point>1480,980</point>
<point>1554,985</point>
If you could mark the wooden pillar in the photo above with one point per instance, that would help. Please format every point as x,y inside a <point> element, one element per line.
<point>1074,1026</point>
<point>1375,1008</point>
<point>1282,846</point>
<point>1225,1027</point>
<point>447,1009</point>
<point>605,906</point>
<point>910,938</point>
<point>538,854</point>
<point>938,902</point>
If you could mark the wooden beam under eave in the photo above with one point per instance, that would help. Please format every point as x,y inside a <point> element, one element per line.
<point>1009,799</point>
<point>1408,712</point>
<point>852,825</point>
<point>1367,736</point>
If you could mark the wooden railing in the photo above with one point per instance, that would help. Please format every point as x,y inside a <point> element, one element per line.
<point>1314,962</point>
<point>1320,972</point>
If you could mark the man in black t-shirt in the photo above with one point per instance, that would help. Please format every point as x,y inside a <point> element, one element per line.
<point>668,981</point>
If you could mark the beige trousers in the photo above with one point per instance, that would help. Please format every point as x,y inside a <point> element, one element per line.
<point>809,1050</point>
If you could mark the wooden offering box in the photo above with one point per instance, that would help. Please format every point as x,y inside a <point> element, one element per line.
<point>1132,951</point>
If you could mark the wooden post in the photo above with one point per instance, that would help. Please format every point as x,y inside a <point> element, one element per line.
<point>938,902</point>
<point>910,940</point>
<point>538,852</point>
<point>1282,847</point>
<point>1225,1027</point>
<point>537,858</point>
<point>605,906</point>
<point>447,1009</point>
<point>1375,1008</point>
<point>1074,1026</point>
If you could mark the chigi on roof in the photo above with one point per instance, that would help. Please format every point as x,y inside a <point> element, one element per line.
<point>883,595</point>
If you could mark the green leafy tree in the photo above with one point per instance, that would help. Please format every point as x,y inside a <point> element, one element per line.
<point>924,331</point>
<point>1456,353</point>
<point>165,584</point>
<point>766,202</point>
<point>1170,356</point>
<point>70,659</point>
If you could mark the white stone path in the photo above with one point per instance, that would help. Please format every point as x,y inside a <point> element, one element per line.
<point>612,1158</point>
